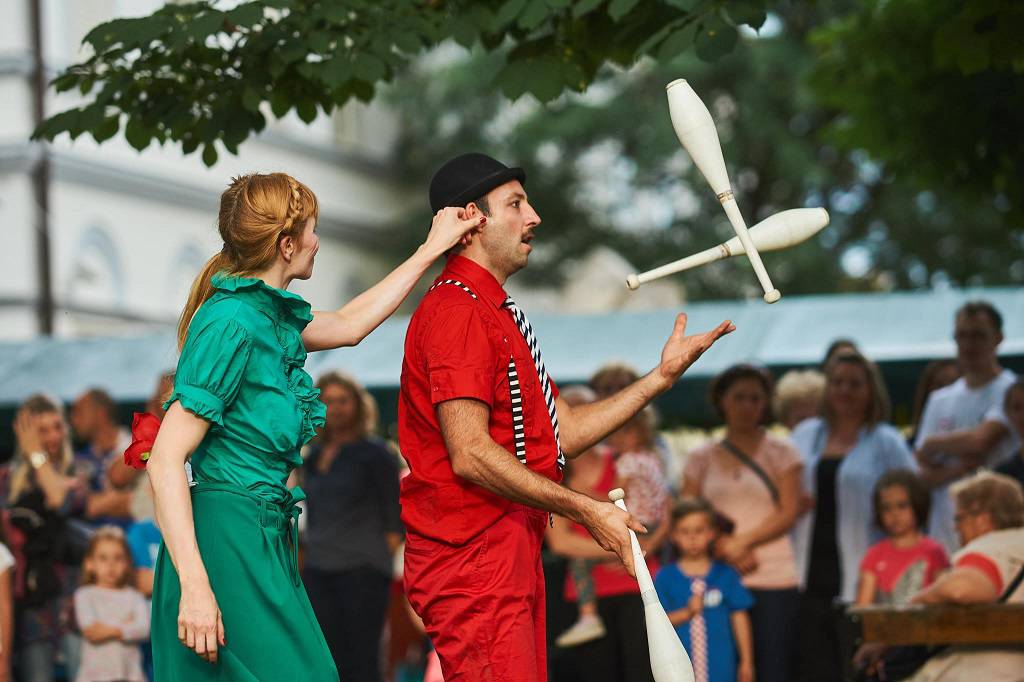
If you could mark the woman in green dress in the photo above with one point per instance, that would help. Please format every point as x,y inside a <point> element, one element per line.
<point>228,603</point>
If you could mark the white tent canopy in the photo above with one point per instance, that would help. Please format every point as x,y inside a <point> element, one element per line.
<point>887,327</point>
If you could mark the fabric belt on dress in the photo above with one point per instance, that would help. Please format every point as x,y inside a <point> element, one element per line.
<point>279,513</point>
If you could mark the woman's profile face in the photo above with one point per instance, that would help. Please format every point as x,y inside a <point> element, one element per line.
<point>307,244</point>
<point>848,391</point>
<point>743,404</point>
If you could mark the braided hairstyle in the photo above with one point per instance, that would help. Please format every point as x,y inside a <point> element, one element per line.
<point>256,211</point>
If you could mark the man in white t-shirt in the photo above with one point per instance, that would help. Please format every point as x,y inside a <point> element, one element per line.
<point>963,426</point>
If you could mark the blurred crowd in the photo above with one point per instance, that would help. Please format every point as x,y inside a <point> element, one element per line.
<point>804,501</point>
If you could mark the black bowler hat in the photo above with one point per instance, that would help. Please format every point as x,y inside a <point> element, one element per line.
<point>469,177</point>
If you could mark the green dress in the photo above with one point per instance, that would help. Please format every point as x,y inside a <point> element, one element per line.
<point>241,369</point>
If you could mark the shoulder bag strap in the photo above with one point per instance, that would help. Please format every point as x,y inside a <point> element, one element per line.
<point>749,462</point>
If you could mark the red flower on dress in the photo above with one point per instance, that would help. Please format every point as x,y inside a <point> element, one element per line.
<point>144,429</point>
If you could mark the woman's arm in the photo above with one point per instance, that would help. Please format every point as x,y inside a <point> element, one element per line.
<point>137,629</point>
<point>360,316</point>
<point>199,625</point>
<point>867,589</point>
<point>963,585</point>
<point>743,633</point>
<point>6,624</point>
<point>774,525</point>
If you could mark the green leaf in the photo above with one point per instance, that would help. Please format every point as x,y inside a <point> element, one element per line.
<point>319,42</point>
<point>207,23</point>
<point>246,14</point>
<point>280,103</point>
<point>464,31</point>
<point>209,154</point>
<point>306,109</point>
<point>680,41</point>
<point>137,133</point>
<point>251,98</point>
<point>559,4</point>
<point>749,12</point>
<point>86,85</point>
<point>685,5</point>
<point>292,53</point>
<point>55,125</point>
<point>408,42</point>
<point>507,14</point>
<point>715,39</point>
<point>620,8</point>
<point>584,7</point>
<point>91,117</point>
<point>534,14</point>
<point>107,129</point>
<point>65,81</point>
<point>368,68</point>
<point>107,34</point>
<point>335,72</point>
<point>190,143</point>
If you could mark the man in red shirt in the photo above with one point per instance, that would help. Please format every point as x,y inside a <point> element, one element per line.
<point>485,435</point>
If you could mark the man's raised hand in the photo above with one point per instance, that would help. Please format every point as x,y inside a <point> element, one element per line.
<point>681,351</point>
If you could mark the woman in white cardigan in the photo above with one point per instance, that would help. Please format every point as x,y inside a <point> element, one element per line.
<point>845,452</point>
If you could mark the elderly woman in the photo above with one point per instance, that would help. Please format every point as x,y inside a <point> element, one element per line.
<point>845,452</point>
<point>42,494</point>
<point>988,569</point>
<point>351,483</point>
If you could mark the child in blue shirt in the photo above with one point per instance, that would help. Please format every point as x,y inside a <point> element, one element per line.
<point>705,600</point>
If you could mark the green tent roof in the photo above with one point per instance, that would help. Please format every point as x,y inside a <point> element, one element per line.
<point>891,327</point>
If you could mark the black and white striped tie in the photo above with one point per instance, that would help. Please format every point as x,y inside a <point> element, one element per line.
<point>542,373</point>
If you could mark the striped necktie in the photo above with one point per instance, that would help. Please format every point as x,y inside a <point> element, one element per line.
<point>542,373</point>
<point>699,637</point>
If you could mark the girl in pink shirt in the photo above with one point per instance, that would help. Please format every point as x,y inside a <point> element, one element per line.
<point>906,560</point>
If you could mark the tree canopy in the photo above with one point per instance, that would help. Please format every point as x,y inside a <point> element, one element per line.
<point>902,118</point>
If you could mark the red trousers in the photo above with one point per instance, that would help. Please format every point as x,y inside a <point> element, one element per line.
<point>482,603</point>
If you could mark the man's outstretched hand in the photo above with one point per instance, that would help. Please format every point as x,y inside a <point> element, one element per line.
<point>681,350</point>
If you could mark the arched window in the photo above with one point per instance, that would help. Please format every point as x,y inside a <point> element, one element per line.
<point>96,279</point>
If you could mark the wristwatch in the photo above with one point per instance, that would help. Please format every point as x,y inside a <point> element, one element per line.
<point>37,459</point>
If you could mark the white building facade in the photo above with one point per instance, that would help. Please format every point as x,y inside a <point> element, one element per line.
<point>128,231</point>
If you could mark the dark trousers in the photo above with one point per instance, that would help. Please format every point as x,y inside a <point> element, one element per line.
<point>821,640</point>
<point>351,607</point>
<point>773,620</point>
<point>619,656</point>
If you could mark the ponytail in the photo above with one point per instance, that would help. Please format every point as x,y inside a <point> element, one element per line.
<point>201,290</point>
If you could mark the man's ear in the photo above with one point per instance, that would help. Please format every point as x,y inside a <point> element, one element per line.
<point>472,211</point>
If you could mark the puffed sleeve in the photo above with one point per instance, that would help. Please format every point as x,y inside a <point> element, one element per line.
<point>211,368</point>
<point>461,362</point>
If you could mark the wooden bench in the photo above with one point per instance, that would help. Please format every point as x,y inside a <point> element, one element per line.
<point>904,625</point>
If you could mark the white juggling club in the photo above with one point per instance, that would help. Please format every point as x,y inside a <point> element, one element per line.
<point>779,231</point>
<point>696,131</point>
<point>669,662</point>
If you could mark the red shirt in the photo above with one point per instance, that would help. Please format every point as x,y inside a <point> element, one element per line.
<point>903,571</point>
<point>459,347</point>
